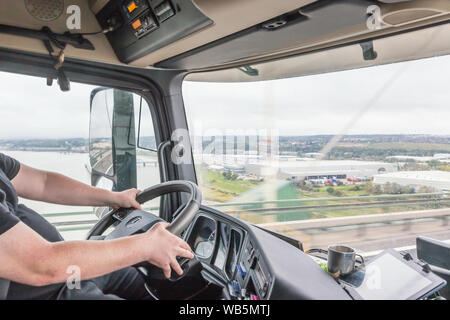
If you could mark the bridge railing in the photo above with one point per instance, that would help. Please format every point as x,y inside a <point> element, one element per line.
<point>83,221</point>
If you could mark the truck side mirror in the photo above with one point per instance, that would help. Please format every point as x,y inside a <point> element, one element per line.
<point>112,147</point>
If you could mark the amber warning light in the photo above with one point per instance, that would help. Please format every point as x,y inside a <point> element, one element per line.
<point>136,24</point>
<point>131,7</point>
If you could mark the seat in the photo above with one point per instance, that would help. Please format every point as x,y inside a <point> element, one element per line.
<point>4,286</point>
<point>437,254</point>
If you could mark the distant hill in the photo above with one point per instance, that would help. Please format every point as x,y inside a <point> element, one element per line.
<point>69,145</point>
<point>367,147</point>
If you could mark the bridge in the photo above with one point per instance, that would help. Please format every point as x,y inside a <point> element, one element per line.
<point>366,232</point>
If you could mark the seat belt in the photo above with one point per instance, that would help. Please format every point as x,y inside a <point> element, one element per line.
<point>4,287</point>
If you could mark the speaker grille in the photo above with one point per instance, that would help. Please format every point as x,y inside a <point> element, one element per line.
<point>45,10</point>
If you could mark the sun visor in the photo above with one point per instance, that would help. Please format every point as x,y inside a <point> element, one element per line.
<point>315,21</point>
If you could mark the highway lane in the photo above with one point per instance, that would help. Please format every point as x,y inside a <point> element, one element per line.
<point>372,237</point>
<point>367,238</point>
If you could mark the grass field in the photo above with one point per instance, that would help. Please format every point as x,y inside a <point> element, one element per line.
<point>216,188</point>
<point>407,146</point>
<point>219,189</point>
<point>346,191</point>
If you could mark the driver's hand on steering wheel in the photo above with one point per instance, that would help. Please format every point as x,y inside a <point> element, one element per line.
<point>163,248</point>
<point>125,199</point>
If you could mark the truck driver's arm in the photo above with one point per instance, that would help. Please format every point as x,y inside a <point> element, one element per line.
<point>52,187</point>
<point>28,258</point>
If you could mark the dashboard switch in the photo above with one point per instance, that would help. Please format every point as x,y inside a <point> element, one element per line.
<point>231,290</point>
<point>242,271</point>
<point>164,11</point>
<point>237,288</point>
<point>144,25</point>
<point>250,255</point>
<point>136,24</point>
<point>254,263</point>
<point>131,6</point>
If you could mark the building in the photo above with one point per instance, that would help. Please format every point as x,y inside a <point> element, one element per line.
<point>438,180</point>
<point>319,169</point>
<point>444,157</point>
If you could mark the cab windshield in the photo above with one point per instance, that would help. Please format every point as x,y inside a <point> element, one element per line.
<point>360,157</point>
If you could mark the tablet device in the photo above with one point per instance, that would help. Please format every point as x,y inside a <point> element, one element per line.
<point>389,276</point>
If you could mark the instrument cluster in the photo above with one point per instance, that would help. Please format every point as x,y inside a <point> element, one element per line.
<point>224,248</point>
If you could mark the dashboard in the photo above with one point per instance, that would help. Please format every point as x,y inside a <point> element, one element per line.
<point>249,263</point>
<point>219,244</point>
<point>235,260</point>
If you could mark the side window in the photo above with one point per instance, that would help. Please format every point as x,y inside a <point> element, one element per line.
<point>146,136</point>
<point>147,158</point>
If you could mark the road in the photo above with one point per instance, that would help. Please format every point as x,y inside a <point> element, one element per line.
<point>367,238</point>
<point>370,238</point>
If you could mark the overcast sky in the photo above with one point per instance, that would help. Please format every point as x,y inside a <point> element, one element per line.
<point>29,108</point>
<point>417,102</point>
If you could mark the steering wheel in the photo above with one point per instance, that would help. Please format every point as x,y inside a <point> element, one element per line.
<point>130,221</point>
<point>126,222</point>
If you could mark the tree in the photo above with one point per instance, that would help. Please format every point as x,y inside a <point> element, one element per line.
<point>338,193</point>
<point>434,164</point>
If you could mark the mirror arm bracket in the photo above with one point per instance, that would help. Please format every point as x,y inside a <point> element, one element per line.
<point>162,159</point>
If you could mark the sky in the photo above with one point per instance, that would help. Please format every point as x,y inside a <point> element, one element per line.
<point>31,109</point>
<point>416,103</point>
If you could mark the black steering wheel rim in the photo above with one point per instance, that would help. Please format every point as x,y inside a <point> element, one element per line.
<point>181,221</point>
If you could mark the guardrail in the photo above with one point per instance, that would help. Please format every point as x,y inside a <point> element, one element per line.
<point>78,221</point>
<point>287,201</point>
<point>443,214</point>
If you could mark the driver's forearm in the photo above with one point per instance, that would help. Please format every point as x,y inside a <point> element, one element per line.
<point>91,258</point>
<point>60,189</point>
<point>28,258</point>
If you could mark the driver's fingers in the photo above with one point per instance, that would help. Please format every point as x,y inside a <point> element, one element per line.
<point>136,205</point>
<point>163,224</point>
<point>176,267</point>
<point>166,269</point>
<point>134,202</point>
<point>185,246</point>
<point>183,253</point>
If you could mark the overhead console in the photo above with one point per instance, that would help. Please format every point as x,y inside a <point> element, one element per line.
<point>143,26</point>
<point>303,25</point>
<point>315,24</point>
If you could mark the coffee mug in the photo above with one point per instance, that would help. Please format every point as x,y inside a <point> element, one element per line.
<point>341,260</point>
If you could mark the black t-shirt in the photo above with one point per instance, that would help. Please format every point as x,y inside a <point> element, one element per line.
<point>11,212</point>
<point>8,197</point>
<point>9,168</point>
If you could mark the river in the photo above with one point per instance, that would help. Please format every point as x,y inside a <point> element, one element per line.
<point>72,165</point>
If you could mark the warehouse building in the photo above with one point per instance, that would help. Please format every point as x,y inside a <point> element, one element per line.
<point>320,169</point>
<point>438,180</point>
